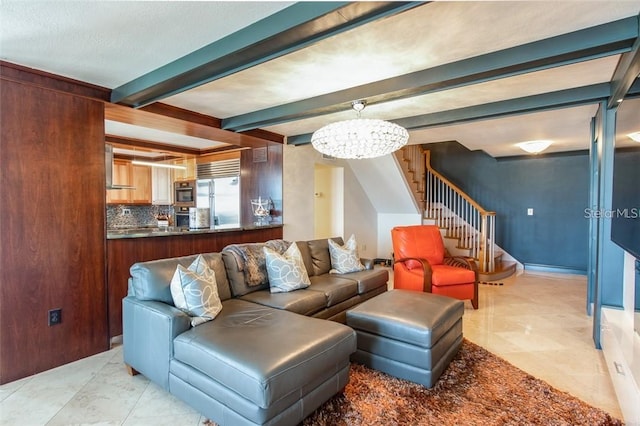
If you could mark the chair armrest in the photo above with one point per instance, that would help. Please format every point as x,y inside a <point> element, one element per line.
<point>149,328</point>
<point>426,271</point>
<point>462,262</point>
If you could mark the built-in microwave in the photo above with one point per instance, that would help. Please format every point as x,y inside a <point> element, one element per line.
<point>184,193</point>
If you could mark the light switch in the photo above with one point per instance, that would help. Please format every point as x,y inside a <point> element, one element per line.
<point>529,212</point>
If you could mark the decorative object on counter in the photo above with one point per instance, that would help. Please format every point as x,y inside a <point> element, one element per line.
<point>199,218</point>
<point>261,210</point>
<point>163,219</point>
<point>360,137</point>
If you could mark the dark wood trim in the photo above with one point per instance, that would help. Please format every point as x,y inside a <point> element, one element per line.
<point>151,146</point>
<point>19,73</point>
<point>265,134</point>
<point>182,114</point>
<point>154,120</point>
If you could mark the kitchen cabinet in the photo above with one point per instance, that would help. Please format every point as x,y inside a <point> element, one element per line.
<point>161,186</point>
<point>142,183</point>
<point>189,173</point>
<point>121,176</point>
<point>125,173</point>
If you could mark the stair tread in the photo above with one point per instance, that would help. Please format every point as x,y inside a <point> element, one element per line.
<point>502,269</point>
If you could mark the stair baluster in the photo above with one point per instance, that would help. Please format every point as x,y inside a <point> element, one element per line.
<point>450,208</point>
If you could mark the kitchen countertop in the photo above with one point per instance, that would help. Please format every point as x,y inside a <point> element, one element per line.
<point>166,231</point>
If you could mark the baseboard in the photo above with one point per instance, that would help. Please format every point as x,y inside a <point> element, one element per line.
<point>554,269</point>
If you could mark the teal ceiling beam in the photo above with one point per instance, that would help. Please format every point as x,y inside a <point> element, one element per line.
<point>546,101</point>
<point>590,43</point>
<point>626,73</point>
<point>528,104</point>
<point>291,29</point>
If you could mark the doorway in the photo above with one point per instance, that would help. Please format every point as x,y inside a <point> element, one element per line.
<point>328,190</point>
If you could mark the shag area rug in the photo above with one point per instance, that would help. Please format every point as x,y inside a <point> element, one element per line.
<point>478,388</point>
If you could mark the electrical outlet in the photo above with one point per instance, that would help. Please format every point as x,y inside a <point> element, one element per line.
<point>126,212</point>
<point>529,212</point>
<point>55,316</point>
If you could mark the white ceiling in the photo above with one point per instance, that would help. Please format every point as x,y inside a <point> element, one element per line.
<point>110,43</point>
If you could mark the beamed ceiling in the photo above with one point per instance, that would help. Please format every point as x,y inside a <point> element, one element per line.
<point>487,74</point>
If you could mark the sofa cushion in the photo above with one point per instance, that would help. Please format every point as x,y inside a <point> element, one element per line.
<point>306,256</point>
<point>451,275</point>
<point>319,251</point>
<point>246,266</point>
<point>336,289</point>
<point>344,258</point>
<point>369,279</point>
<point>304,302</point>
<point>195,292</point>
<point>286,271</point>
<point>264,354</point>
<point>152,280</point>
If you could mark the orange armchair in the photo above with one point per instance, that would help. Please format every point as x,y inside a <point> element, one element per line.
<point>423,264</point>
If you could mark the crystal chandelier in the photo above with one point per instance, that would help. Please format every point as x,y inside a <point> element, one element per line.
<point>360,137</point>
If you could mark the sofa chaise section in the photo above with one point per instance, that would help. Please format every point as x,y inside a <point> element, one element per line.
<point>264,359</point>
<point>261,363</point>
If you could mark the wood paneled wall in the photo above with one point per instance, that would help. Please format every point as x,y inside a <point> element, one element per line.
<point>262,179</point>
<point>52,222</point>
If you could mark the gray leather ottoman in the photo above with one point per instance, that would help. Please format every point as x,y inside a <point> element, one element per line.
<point>408,334</point>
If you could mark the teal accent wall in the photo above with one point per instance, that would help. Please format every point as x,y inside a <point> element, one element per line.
<point>555,186</point>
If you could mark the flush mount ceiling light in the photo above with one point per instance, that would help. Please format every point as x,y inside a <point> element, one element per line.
<point>635,136</point>
<point>534,147</point>
<point>359,138</point>
<point>161,165</point>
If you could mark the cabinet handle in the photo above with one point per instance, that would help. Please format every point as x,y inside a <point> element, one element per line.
<point>619,368</point>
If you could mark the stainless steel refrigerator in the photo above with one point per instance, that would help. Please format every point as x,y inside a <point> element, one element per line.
<point>222,197</point>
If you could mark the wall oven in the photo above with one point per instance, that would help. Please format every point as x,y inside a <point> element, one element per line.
<point>181,217</point>
<point>184,193</point>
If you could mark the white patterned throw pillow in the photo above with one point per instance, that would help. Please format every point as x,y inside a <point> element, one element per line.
<point>286,271</point>
<point>345,259</point>
<point>195,291</point>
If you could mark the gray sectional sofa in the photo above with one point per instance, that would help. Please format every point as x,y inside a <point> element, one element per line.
<point>267,358</point>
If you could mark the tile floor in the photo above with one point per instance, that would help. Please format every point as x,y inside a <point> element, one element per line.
<point>535,321</point>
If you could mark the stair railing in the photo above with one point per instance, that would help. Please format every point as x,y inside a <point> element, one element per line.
<point>460,215</point>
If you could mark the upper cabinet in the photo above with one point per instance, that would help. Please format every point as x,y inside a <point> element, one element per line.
<point>127,174</point>
<point>142,183</point>
<point>189,173</point>
<point>161,186</point>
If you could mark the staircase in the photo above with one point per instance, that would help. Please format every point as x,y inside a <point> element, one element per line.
<point>467,228</point>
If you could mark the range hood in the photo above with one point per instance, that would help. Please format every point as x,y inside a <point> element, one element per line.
<point>108,163</point>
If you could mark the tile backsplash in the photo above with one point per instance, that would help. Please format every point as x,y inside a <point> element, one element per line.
<point>138,216</point>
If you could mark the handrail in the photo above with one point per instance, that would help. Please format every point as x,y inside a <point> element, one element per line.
<point>427,162</point>
<point>451,208</point>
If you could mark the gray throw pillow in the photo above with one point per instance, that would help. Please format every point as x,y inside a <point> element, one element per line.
<point>286,271</point>
<point>195,291</point>
<point>345,259</point>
